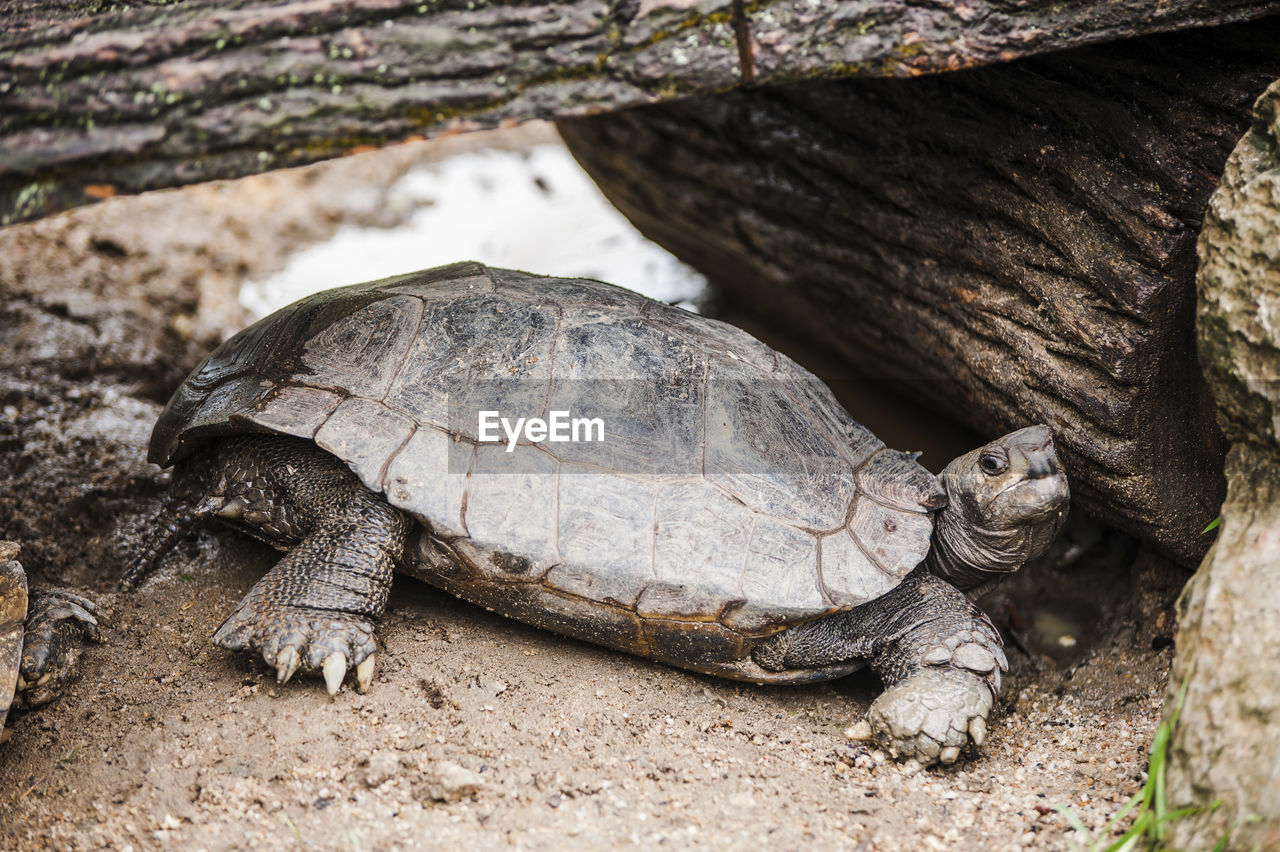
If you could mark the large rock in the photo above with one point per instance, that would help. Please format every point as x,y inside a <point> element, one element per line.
<point>1012,244</point>
<point>1225,746</point>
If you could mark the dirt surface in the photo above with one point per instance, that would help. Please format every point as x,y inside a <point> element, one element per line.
<point>478,731</point>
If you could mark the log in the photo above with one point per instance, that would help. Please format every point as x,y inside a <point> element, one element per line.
<point>143,96</point>
<point>1012,244</point>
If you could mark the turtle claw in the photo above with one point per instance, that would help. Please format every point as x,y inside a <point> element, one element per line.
<point>287,663</point>
<point>364,674</point>
<point>978,730</point>
<point>293,638</point>
<point>335,669</point>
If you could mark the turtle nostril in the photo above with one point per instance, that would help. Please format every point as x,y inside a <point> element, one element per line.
<point>1041,465</point>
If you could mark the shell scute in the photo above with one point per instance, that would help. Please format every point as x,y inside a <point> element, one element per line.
<point>475,352</point>
<point>896,480</point>
<point>366,435</point>
<point>429,478</point>
<point>296,409</point>
<point>647,395</point>
<point>701,541</point>
<point>605,536</point>
<point>779,581</point>
<point>849,577</point>
<point>363,349</point>
<point>510,507</point>
<point>761,448</point>
<point>896,540</point>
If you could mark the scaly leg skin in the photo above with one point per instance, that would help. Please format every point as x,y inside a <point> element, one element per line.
<point>58,623</point>
<point>938,653</point>
<point>315,609</point>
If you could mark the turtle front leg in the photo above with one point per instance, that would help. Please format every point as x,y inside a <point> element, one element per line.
<point>315,609</point>
<point>938,653</point>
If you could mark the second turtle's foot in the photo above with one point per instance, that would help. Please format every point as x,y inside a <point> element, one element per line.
<point>58,623</point>
<point>291,637</point>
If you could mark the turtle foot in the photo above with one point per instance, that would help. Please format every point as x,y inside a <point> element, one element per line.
<point>290,638</point>
<point>58,623</point>
<point>931,715</point>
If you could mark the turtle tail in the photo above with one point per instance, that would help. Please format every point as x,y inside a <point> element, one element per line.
<point>189,506</point>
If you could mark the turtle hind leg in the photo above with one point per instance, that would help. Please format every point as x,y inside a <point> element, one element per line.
<point>57,626</point>
<point>315,609</point>
<point>937,652</point>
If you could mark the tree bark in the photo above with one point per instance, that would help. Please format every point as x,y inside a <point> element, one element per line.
<point>1012,244</point>
<point>141,96</point>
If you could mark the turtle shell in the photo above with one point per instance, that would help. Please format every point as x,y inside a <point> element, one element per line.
<point>730,497</point>
<point>13,615</point>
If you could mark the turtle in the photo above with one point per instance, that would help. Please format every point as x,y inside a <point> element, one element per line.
<point>40,636</point>
<point>719,510</point>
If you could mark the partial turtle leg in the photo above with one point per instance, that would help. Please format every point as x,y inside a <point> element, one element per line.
<point>939,655</point>
<point>315,609</point>
<point>58,623</point>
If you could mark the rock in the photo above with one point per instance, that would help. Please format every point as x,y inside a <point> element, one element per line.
<point>1011,244</point>
<point>1225,745</point>
<point>446,781</point>
<point>382,766</point>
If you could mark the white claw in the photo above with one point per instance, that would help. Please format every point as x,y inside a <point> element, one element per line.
<point>364,673</point>
<point>287,662</point>
<point>949,754</point>
<point>860,732</point>
<point>335,669</point>
<point>977,730</point>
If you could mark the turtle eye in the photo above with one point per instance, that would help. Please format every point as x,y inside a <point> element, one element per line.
<point>993,464</point>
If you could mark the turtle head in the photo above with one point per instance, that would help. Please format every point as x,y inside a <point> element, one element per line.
<point>1006,502</point>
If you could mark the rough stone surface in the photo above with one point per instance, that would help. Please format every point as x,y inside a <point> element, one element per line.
<point>1011,245</point>
<point>1225,746</point>
<point>103,99</point>
<point>448,782</point>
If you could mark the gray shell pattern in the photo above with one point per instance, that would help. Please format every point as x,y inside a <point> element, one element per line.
<point>789,510</point>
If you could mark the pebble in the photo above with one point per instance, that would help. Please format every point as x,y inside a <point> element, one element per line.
<point>448,782</point>
<point>383,765</point>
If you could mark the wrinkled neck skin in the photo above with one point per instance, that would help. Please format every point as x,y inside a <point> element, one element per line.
<point>974,553</point>
<point>973,559</point>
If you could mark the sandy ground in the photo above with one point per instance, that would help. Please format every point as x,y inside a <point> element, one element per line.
<point>478,731</point>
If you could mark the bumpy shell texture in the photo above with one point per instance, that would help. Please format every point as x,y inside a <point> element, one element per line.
<point>13,612</point>
<point>730,492</point>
